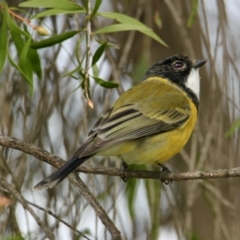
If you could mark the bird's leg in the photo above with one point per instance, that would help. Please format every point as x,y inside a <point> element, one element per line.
<point>124,167</point>
<point>164,171</point>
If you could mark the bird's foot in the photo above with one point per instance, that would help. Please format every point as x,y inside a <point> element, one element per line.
<point>164,172</point>
<point>124,167</point>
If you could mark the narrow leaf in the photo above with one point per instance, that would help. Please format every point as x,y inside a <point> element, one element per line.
<point>105,84</point>
<point>18,41</point>
<point>132,186</point>
<point>122,18</point>
<point>96,7</point>
<point>121,27</point>
<point>132,21</point>
<point>130,27</point>
<point>35,62</point>
<point>193,13</point>
<point>21,71</point>
<point>54,40</point>
<point>56,11</point>
<point>60,4</point>
<point>11,24</point>
<point>233,128</point>
<point>98,53</point>
<point>153,197</point>
<point>95,70</point>
<point>24,61</point>
<point>77,69</point>
<point>3,41</point>
<point>109,44</point>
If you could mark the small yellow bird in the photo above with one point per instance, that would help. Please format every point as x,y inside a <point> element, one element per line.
<point>149,123</point>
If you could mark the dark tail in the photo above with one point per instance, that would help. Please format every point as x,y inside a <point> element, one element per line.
<point>61,173</point>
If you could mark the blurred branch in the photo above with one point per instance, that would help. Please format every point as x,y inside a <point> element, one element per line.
<point>25,205</point>
<point>57,162</point>
<point>179,21</point>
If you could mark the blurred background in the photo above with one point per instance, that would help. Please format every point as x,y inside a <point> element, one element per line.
<point>57,119</point>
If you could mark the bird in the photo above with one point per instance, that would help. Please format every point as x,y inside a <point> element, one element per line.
<point>149,123</point>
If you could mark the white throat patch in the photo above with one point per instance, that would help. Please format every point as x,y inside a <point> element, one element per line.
<point>193,81</point>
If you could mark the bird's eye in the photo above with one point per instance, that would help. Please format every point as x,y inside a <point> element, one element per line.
<point>178,64</point>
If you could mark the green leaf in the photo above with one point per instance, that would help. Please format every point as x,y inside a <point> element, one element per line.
<point>121,27</point>
<point>60,4</point>
<point>153,197</point>
<point>122,18</point>
<point>3,41</point>
<point>98,53</point>
<point>131,27</point>
<point>105,84</point>
<point>11,24</point>
<point>195,236</point>
<point>157,19</point>
<point>79,54</point>
<point>35,62</point>
<point>33,56</point>
<point>18,41</point>
<point>131,21</point>
<point>96,7</point>
<point>24,61</point>
<point>54,40</point>
<point>56,11</point>
<point>232,129</point>
<point>132,185</point>
<point>77,69</point>
<point>193,13</point>
<point>21,71</point>
<point>109,44</point>
<point>95,70</point>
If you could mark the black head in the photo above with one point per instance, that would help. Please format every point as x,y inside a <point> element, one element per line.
<point>176,68</point>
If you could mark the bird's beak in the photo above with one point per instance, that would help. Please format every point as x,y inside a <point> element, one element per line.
<point>197,63</point>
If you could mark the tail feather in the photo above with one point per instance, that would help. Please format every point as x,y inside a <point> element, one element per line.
<point>57,176</point>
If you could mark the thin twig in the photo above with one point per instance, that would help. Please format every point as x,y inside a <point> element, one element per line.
<point>27,21</point>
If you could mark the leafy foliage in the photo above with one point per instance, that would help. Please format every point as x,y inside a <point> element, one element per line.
<point>28,58</point>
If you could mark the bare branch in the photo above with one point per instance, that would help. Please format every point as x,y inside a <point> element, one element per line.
<point>57,162</point>
<point>220,173</point>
